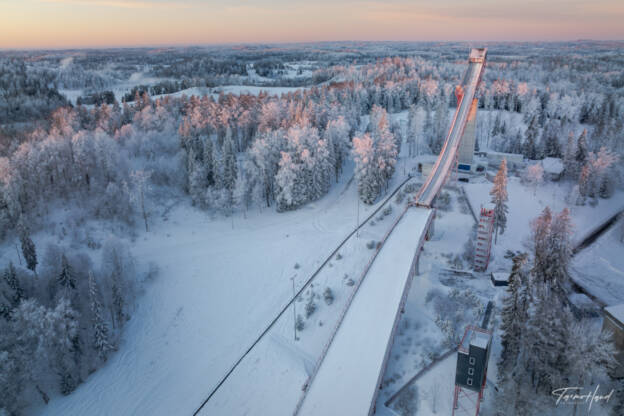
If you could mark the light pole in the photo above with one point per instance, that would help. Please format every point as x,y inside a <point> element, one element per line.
<point>294,305</point>
<point>357,232</point>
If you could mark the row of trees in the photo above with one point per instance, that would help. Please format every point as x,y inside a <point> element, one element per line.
<point>60,319</point>
<point>544,346</point>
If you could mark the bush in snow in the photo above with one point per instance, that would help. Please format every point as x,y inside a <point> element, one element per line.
<point>328,295</point>
<point>310,307</point>
<point>370,245</point>
<point>338,256</point>
<point>443,201</point>
<point>407,403</point>
<point>399,197</point>
<point>299,324</point>
<point>387,210</point>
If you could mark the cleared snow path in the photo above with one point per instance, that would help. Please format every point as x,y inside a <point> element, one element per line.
<point>348,377</point>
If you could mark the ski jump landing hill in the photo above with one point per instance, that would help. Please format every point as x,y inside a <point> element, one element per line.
<point>348,376</point>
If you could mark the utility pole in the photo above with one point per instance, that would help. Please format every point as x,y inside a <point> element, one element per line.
<point>294,305</point>
<point>357,233</point>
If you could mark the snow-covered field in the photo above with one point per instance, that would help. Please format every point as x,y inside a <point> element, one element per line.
<point>212,298</point>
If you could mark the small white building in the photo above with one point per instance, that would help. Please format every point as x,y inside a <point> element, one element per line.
<point>500,278</point>
<point>553,168</point>
<point>514,160</point>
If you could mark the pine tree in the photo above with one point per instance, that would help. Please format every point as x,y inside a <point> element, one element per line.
<point>208,160</point>
<point>552,148</point>
<point>530,141</point>
<point>118,300</point>
<point>230,168</point>
<point>29,252</point>
<point>366,174</point>
<point>547,340</point>
<point>585,188</point>
<point>499,199</point>
<point>618,405</point>
<point>11,279</point>
<point>385,150</point>
<point>100,330</point>
<point>514,315</point>
<point>569,161</point>
<point>66,276</point>
<point>582,153</point>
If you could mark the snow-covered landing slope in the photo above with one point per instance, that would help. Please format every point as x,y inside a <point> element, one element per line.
<point>348,377</point>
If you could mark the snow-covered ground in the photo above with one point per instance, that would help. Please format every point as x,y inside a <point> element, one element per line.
<point>525,204</point>
<point>213,297</point>
<point>419,340</point>
<point>600,267</point>
<point>366,330</point>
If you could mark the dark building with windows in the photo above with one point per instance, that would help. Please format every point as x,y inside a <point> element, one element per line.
<point>472,359</point>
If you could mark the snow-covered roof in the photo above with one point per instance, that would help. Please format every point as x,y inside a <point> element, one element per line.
<point>500,276</point>
<point>552,165</point>
<point>580,300</point>
<point>617,311</point>
<point>480,339</point>
<point>474,337</point>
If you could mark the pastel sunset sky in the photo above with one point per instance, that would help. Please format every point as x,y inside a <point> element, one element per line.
<point>102,23</point>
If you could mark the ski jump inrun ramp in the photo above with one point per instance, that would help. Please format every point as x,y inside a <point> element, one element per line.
<point>346,379</point>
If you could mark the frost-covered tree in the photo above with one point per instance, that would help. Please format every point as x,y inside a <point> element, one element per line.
<point>530,149</point>
<point>582,153</point>
<point>29,252</point>
<point>101,341</point>
<point>570,168</point>
<point>230,165</point>
<point>365,169</point>
<point>535,176</point>
<point>415,130</point>
<point>140,182</point>
<point>337,137</point>
<point>514,315</point>
<point>66,278</point>
<point>385,145</point>
<point>10,277</point>
<point>547,339</point>
<point>617,408</point>
<point>499,199</point>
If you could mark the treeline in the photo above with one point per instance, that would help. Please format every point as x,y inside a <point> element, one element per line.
<point>96,98</point>
<point>26,93</point>
<point>60,318</point>
<point>162,87</point>
<point>544,345</point>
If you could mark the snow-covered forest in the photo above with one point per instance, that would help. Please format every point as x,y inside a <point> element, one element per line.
<point>94,143</point>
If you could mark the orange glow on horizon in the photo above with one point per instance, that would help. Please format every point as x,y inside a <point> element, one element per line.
<point>104,23</point>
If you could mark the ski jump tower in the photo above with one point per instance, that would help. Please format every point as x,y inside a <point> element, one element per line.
<point>467,145</point>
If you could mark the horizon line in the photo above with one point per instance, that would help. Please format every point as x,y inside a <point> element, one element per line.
<point>311,42</point>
